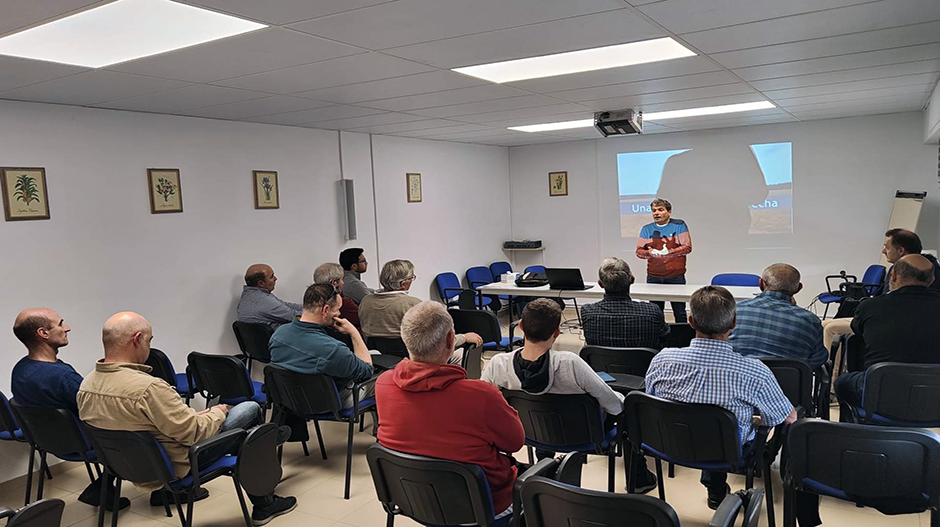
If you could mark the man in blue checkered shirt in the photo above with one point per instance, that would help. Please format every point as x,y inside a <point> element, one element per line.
<point>710,372</point>
<point>772,325</point>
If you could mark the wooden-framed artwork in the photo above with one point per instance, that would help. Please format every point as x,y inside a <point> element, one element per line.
<point>414,187</point>
<point>557,183</point>
<point>266,190</point>
<point>24,194</point>
<point>166,195</point>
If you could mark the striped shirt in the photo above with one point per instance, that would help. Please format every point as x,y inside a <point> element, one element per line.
<point>769,325</point>
<point>710,372</point>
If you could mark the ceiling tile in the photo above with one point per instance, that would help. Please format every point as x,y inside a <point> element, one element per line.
<point>91,87</point>
<point>280,12</point>
<point>405,127</point>
<point>878,72</point>
<point>590,79</point>
<point>173,101</point>
<point>699,80</point>
<point>416,84</point>
<point>514,103</point>
<point>257,107</point>
<point>456,129</point>
<point>685,16</point>
<point>255,52</point>
<point>19,14</point>
<point>412,21</point>
<point>851,19</point>
<point>867,109</point>
<point>368,120</point>
<point>729,123</point>
<point>691,95</point>
<point>336,72</point>
<point>16,72</point>
<point>905,80</point>
<point>895,37</point>
<point>446,98</point>
<point>536,115</point>
<point>328,113</point>
<point>915,90</point>
<point>557,36</point>
<point>842,62</point>
<point>798,106</point>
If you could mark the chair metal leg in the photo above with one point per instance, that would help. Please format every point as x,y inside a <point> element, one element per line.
<point>166,508</point>
<point>628,466</point>
<point>117,501</point>
<point>48,473</point>
<point>29,475</point>
<point>934,518</point>
<point>98,470</point>
<point>179,506</point>
<point>316,424</point>
<point>789,517</point>
<point>42,474</point>
<point>241,501</point>
<point>349,443</point>
<point>189,506</point>
<point>531,457</point>
<point>672,470</point>
<point>104,494</point>
<point>659,479</point>
<point>611,467</point>
<point>91,475</point>
<point>390,520</point>
<point>769,492</point>
<point>749,478</point>
<point>304,444</point>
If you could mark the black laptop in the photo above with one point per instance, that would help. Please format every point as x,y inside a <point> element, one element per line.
<point>568,279</point>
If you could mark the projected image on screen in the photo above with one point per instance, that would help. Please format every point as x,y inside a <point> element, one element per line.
<point>767,196</point>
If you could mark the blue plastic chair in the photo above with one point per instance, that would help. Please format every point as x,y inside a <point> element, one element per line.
<point>900,394</point>
<point>10,430</point>
<point>736,279</point>
<point>162,367</point>
<point>498,269</point>
<point>535,269</point>
<point>480,276</point>
<point>872,280</point>
<point>225,377</point>
<point>448,286</point>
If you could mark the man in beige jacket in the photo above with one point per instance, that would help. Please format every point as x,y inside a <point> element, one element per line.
<point>122,395</point>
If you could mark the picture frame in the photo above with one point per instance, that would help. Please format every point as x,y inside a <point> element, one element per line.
<point>166,193</point>
<point>558,183</point>
<point>25,195</point>
<point>413,182</point>
<point>267,193</point>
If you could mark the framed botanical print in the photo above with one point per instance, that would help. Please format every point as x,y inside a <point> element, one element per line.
<point>414,187</point>
<point>166,195</point>
<point>266,191</point>
<point>24,194</point>
<point>557,183</point>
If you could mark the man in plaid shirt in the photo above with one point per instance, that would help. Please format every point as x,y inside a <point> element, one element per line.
<point>617,320</point>
<point>710,372</point>
<point>772,325</point>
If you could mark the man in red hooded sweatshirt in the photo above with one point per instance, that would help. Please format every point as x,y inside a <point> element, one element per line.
<point>430,408</point>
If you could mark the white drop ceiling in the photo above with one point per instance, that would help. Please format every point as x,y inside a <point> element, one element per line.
<point>383,66</point>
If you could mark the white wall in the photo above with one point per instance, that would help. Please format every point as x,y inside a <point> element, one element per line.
<point>932,118</point>
<point>845,172</point>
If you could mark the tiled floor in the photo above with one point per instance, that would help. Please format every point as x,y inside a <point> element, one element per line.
<point>318,486</point>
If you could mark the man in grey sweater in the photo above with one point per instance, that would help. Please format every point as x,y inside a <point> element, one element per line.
<point>538,369</point>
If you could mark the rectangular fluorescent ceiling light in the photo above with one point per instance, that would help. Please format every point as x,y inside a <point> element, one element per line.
<point>121,31</point>
<point>578,61</point>
<point>653,116</point>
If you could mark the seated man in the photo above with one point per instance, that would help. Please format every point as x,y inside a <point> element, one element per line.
<point>617,320</point>
<point>304,346</point>
<point>430,408</point>
<point>331,273</point>
<point>772,325</point>
<point>258,303</point>
<point>898,327</point>
<point>354,264</point>
<point>710,372</point>
<point>42,380</point>
<point>537,369</point>
<point>122,395</point>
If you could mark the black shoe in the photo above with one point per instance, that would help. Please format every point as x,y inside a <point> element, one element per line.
<point>646,482</point>
<point>715,499</point>
<point>283,434</point>
<point>92,496</point>
<point>278,506</point>
<point>159,497</point>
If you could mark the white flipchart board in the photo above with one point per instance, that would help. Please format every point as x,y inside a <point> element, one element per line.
<point>905,212</point>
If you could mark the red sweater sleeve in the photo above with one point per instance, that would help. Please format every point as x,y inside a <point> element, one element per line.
<point>503,424</point>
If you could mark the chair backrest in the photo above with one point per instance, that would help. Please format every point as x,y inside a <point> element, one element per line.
<point>500,268</point>
<point>680,335</point>
<point>909,393</point>
<point>134,456</point>
<point>795,379</point>
<point>219,376</point>
<point>258,468</point>
<point>302,393</point>
<point>535,269</point>
<point>862,463</point>
<point>483,323</point>
<point>875,274</point>
<point>430,491</point>
<point>448,285</point>
<point>161,366</point>
<point>42,513</point>
<point>548,503</point>
<point>563,423</point>
<point>253,340</point>
<point>389,346</point>
<point>634,361</point>
<point>685,433</point>
<point>477,276</point>
<point>8,422</point>
<point>54,430</point>
<point>472,361</point>
<point>736,279</point>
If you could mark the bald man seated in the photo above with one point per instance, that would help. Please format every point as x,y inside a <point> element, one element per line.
<point>772,325</point>
<point>41,379</point>
<point>258,303</point>
<point>122,395</point>
<point>897,327</point>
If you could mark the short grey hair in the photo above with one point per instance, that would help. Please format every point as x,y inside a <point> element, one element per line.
<point>713,310</point>
<point>327,273</point>
<point>781,277</point>
<point>425,328</point>
<point>394,272</point>
<point>615,274</point>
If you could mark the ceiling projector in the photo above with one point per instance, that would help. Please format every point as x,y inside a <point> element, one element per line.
<point>619,122</point>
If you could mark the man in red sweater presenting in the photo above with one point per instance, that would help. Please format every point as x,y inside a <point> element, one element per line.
<point>664,243</point>
<point>428,407</point>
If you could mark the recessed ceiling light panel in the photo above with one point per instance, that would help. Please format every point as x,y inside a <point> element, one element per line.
<point>548,127</point>
<point>708,110</point>
<point>121,31</point>
<point>579,61</point>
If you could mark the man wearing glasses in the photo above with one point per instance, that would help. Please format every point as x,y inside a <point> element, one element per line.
<point>332,274</point>
<point>354,263</point>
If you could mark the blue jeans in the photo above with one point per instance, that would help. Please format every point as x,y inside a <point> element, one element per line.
<point>678,308</point>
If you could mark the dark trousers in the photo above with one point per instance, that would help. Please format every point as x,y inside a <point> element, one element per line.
<point>678,308</point>
<point>849,388</point>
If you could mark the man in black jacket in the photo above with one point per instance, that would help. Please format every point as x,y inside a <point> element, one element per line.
<point>897,327</point>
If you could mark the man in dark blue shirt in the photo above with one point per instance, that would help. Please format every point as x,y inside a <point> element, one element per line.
<point>41,379</point>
